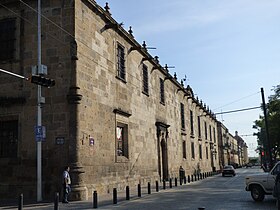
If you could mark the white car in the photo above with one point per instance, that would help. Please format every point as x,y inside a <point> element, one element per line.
<point>262,184</point>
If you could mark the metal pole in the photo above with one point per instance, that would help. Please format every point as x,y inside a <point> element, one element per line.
<point>20,202</point>
<point>39,112</point>
<point>115,200</point>
<point>266,130</point>
<point>95,199</point>
<point>56,200</point>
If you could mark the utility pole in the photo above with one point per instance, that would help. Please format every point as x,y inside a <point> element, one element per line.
<point>268,151</point>
<point>39,111</point>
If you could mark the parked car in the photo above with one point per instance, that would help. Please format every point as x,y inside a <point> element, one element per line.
<point>228,170</point>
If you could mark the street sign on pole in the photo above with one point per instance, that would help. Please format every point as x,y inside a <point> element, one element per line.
<point>40,133</point>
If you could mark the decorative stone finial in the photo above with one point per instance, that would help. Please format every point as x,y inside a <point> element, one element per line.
<point>166,67</point>
<point>144,45</point>
<point>107,8</point>
<point>130,31</point>
<point>182,82</point>
<point>156,59</point>
<point>175,75</point>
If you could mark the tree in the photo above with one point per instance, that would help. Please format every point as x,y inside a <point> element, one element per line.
<point>273,117</point>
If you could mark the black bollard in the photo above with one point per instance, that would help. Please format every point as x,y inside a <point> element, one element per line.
<point>201,208</point>
<point>157,189</point>
<point>189,179</point>
<point>164,184</point>
<point>127,193</point>
<point>139,190</point>
<point>175,182</point>
<point>185,180</point>
<point>56,199</point>
<point>115,200</point>
<point>149,188</point>
<point>192,178</point>
<point>94,199</point>
<point>195,177</point>
<point>20,202</point>
<point>170,183</point>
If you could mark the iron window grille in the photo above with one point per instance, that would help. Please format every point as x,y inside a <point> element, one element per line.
<point>210,132</point>
<point>162,99</point>
<point>121,72</point>
<point>145,79</point>
<point>184,150</point>
<point>205,126</point>
<point>199,127</point>
<point>182,116</point>
<point>191,122</point>
<point>192,148</point>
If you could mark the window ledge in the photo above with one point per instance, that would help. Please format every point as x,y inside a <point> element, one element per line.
<point>122,159</point>
<point>145,93</point>
<point>121,79</point>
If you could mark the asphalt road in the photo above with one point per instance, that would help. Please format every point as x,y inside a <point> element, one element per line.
<point>213,193</point>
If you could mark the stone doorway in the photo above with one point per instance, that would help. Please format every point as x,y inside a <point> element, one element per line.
<point>162,137</point>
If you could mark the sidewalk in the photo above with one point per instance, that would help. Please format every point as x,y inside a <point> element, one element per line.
<point>103,201</point>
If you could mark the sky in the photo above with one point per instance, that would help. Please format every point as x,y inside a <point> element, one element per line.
<point>226,50</point>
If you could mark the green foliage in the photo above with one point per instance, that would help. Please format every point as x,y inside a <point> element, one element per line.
<point>273,117</point>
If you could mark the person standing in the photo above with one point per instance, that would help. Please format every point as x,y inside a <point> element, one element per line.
<point>66,184</point>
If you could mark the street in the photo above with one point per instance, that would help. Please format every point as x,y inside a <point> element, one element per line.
<point>213,193</point>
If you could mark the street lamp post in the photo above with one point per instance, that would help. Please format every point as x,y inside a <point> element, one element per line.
<point>39,111</point>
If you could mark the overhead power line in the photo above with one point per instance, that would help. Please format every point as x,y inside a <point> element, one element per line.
<point>238,110</point>
<point>245,97</point>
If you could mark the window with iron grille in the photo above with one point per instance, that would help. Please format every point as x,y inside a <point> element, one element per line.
<point>161,91</point>
<point>7,39</point>
<point>184,150</point>
<point>182,116</point>
<point>145,80</point>
<point>192,148</point>
<point>210,132</point>
<point>121,73</point>
<point>214,133</point>
<point>191,122</point>
<point>205,126</point>
<point>200,151</point>
<point>199,127</point>
<point>8,139</point>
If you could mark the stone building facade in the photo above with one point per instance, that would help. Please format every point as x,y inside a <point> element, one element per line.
<point>115,115</point>
<point>232,149</point>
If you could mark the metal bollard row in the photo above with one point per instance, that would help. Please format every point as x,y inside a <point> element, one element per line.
<point>191,178</point>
